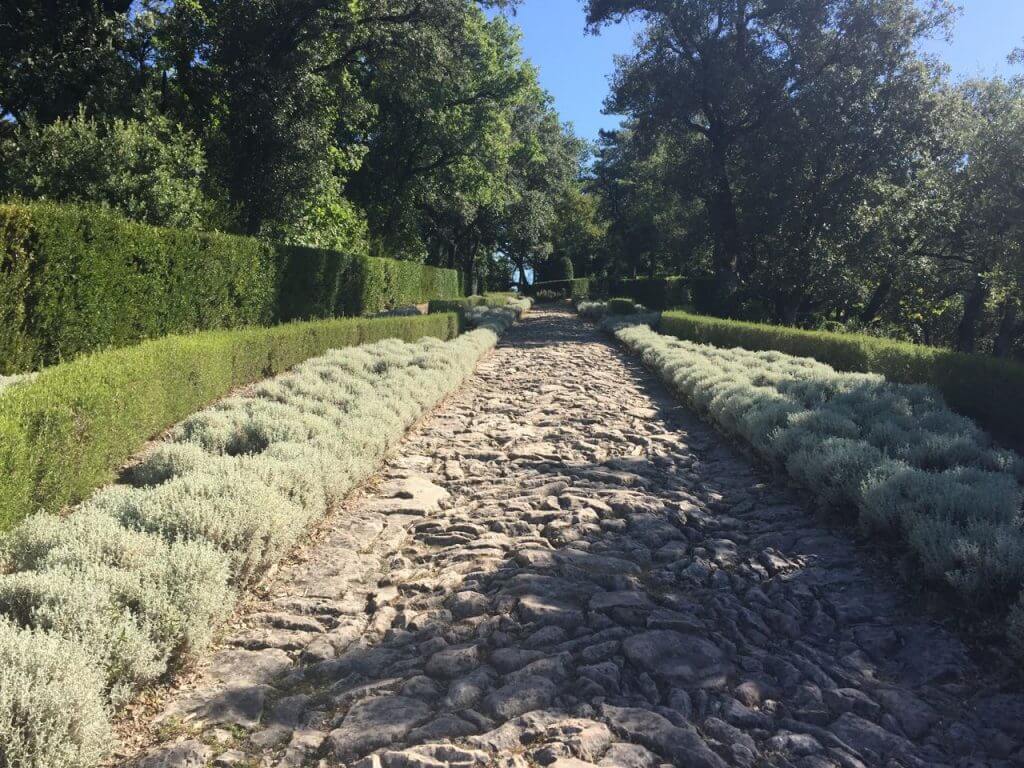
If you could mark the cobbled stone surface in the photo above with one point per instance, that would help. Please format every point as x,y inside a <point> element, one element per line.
<point>562,567</point>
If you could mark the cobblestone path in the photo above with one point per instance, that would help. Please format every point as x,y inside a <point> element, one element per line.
<point>563,568</point>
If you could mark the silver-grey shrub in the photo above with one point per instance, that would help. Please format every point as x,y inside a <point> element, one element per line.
<point>592,310</point>
<point>612,323</point>
<point>138,577</point>
<point>52,712</point>
<point>893,453</point>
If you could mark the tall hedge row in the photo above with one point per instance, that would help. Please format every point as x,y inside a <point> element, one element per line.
<point>387,283</point>
<point>65,431</point>
<point>984,388</point>
<point>77,279</point>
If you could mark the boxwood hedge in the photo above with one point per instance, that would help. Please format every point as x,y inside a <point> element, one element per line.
<point>65,431</point>
<point>986,389</point>
<point>621,306</point>
<point>78,279</point>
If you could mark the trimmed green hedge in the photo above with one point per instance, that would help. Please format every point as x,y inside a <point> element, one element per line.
<point>657,293</point>
<point>620,306</point>
<point>317,283</point>
<point>64,432</point>
<point>390,283</point>
<point>78,279</point>
<point>494,301</point>
<point>577,289</point>
<point>985,388</point>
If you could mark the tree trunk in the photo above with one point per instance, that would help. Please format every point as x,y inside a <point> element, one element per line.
<point>725,231</point>
<point>470,269</point>
<point>520,267</point>
<point>878,298</point>
<point>787,307</point>
<point>1007,329</point>
<point>468,276</point>
<point>974,304</point>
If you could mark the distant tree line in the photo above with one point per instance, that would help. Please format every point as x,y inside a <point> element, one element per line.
<point>802,162</point>
<point>409,128</point>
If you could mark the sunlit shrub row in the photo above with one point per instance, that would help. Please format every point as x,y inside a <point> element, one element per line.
<point>65,430</point>
<point>985,388</point>
<point>135,580</point>
<point>895,453</point>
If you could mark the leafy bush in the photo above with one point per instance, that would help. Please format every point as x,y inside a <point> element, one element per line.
<point>52,713</point>
<point>317,283</point>
<point>385,283</point>
<point>658,293</point>
<point>137,577</point>
<point>490,301</point>
<point>128,625</point>
<point>519,304</point>
<point>81,279</point>
<point>459,306</point>
<point>181,585</point>
<point>497,320</point>
<point>639,316</point>
<point>893,452</point>
<point>468,302</point>
<point>256,524</point>
<point>63,433</point>
<point>984,388</point>
<point>84,278</point>
<point>320,283</point>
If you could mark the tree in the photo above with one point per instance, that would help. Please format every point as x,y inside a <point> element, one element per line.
<point>438,144</point>
<point>793,103</point>
<point>545,167</point>
<point>151,171</point>
<point>979,242</point>
<point>58,56</point>
<point>578,234</point>
<point>650,192</point>
<point>306,102</point>
<point>408,128</point>
<point>268,85</point>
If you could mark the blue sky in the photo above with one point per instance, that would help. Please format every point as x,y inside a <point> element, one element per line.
<point>574,67</point>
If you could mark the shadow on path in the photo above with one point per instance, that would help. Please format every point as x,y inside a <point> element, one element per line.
<point>563,567</point>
